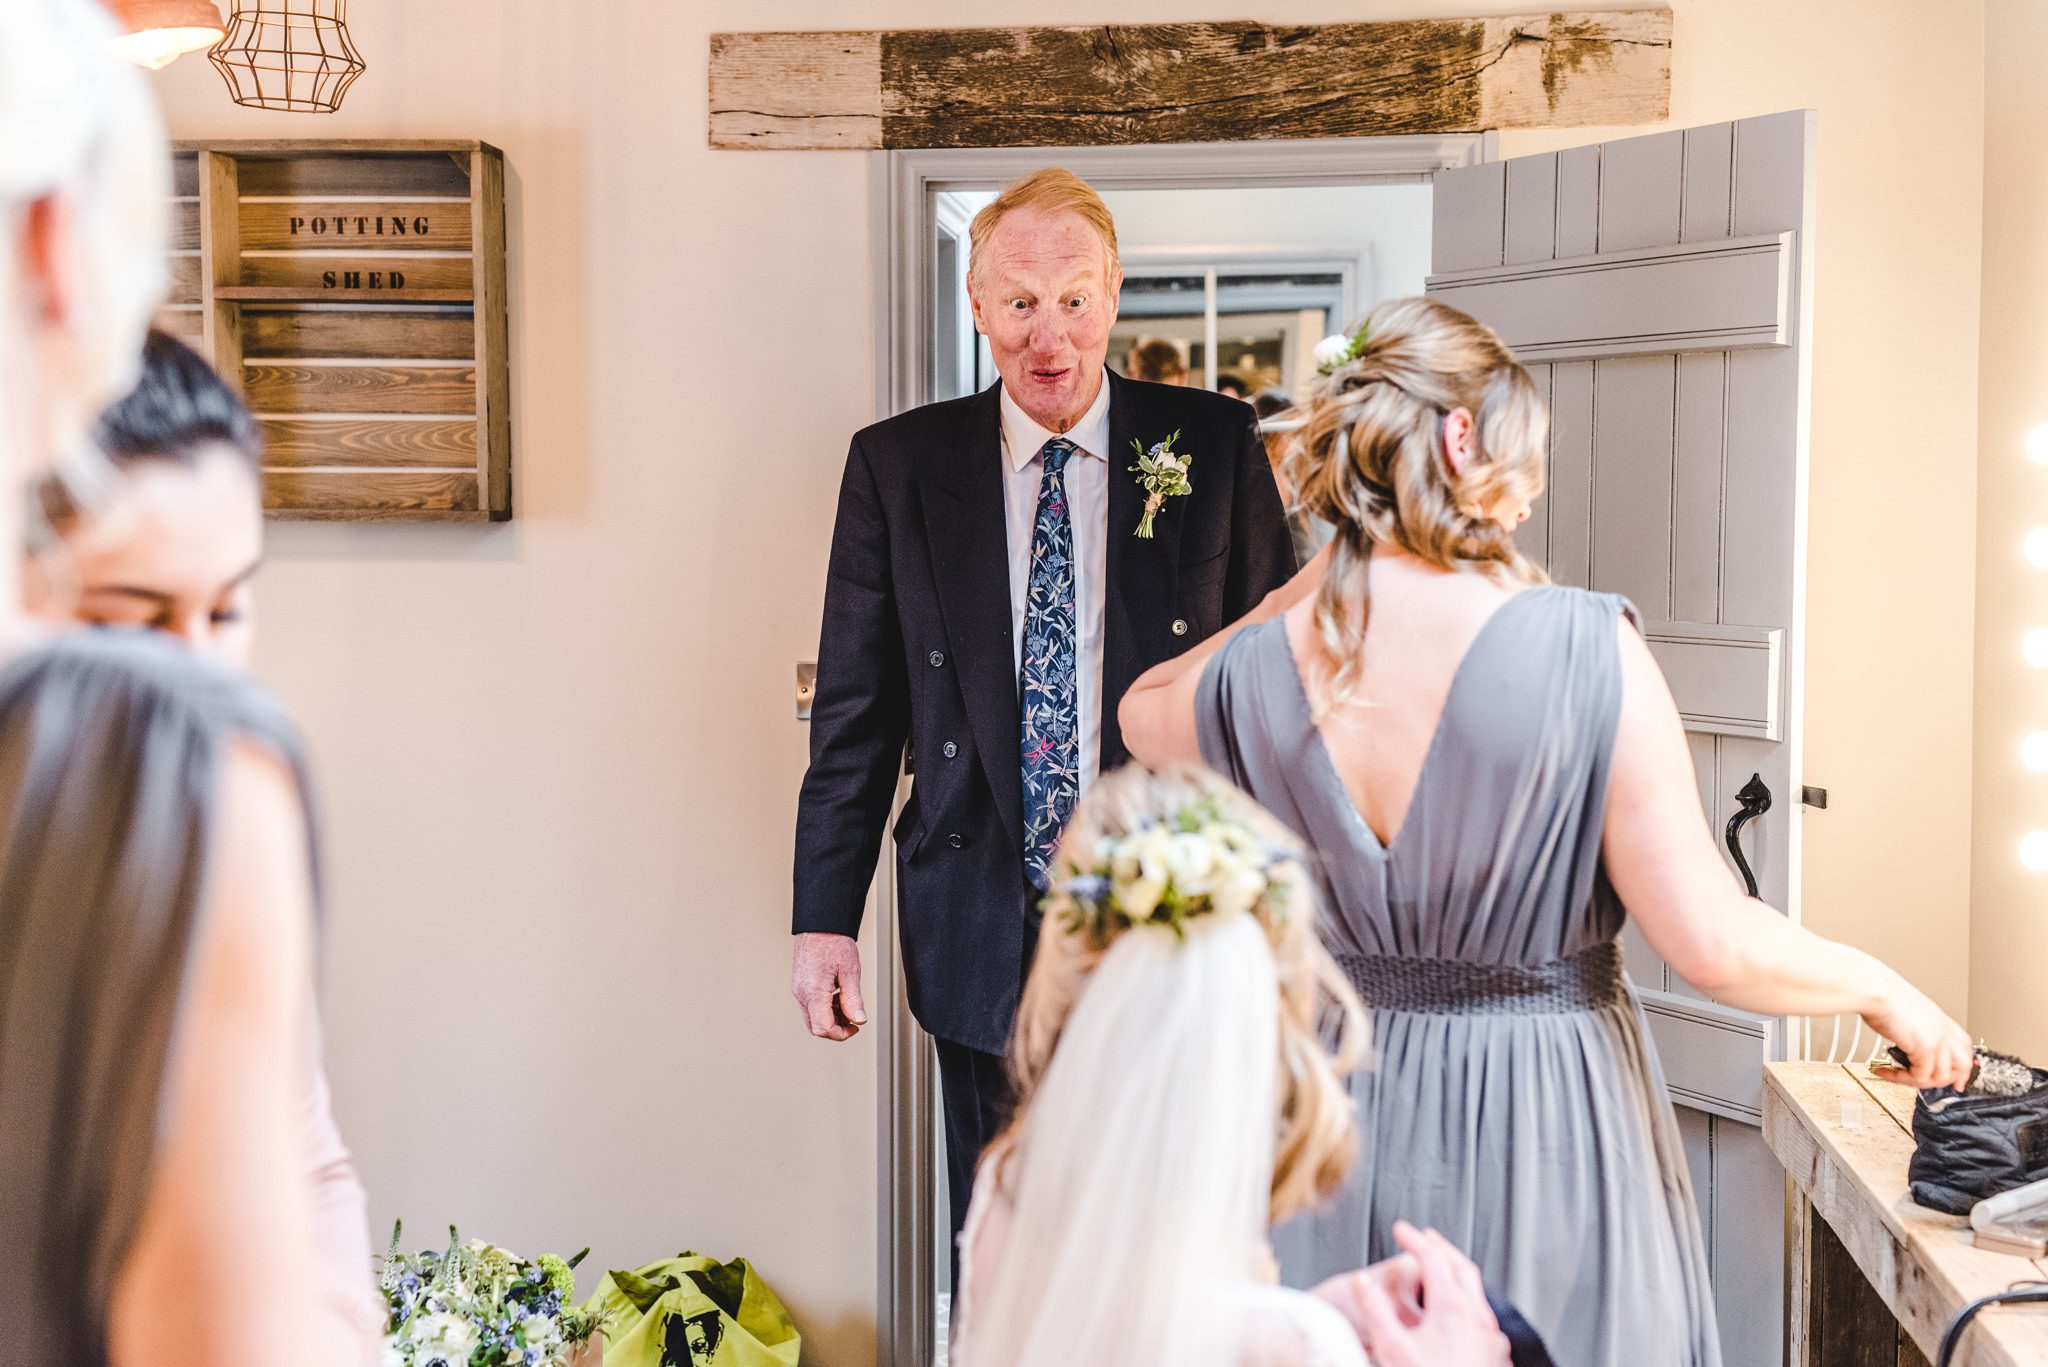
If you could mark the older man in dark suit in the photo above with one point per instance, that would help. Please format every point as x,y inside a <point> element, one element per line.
<point>990,597</point>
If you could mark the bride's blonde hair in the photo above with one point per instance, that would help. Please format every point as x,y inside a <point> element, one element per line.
<point>1314,1133</point>
<point>1369,460</point>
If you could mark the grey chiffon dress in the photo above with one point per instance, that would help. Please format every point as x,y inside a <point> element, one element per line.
<point>1515,1101</point>
<point>111,747</point>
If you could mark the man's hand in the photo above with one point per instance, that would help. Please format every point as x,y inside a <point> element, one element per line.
<point>824,977</point>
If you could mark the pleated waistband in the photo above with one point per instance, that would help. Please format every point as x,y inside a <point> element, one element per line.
<point>1587,981</point>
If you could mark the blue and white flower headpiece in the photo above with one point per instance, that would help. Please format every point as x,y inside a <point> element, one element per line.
<point>1198,862</point>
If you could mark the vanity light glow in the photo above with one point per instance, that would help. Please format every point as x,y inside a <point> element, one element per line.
<point>2034,751</point>
<point>2034,851</point>
<point>2036,547</point>
<point>2037,443</point>
<point>2034,647</point>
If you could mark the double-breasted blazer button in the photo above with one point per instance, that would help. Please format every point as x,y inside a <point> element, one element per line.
<point>950,749</point>
<point>938,658</point>
<point>957,841</point>
<point>1180,626</point>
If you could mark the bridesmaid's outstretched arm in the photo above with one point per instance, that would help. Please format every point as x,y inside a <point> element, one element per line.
<point>1667,871</point>
<point>1157,716</point>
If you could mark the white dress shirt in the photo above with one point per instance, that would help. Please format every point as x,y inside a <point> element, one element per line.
<point>1087,480</point>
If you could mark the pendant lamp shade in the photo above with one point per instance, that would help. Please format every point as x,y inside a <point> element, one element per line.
<point>156,33</point>
<point>289,54</point>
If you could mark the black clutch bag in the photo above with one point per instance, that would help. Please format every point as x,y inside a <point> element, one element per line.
<point>1990,1138</point>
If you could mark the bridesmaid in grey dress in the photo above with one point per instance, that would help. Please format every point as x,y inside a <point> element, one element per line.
<point>1491,774</point>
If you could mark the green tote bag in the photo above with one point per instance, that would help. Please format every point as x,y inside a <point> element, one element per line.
<point>693,1311</point>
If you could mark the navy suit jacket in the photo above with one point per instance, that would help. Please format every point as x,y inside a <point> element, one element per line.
<point>916,646</point>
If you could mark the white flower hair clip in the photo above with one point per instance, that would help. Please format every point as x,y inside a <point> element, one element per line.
<point>1335,352</point>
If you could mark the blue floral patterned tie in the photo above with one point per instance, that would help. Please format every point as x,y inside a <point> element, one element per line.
<point>1052,735</point>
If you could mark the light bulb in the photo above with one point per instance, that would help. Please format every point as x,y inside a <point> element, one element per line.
<point>2034,751</point>
<point>2036,547</point>
<point>2034,647</point>
<point>2034,851</point>
<point>2037,444</point>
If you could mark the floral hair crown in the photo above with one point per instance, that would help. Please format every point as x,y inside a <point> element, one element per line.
<point>1197,862</point>
<point>1335,352</point>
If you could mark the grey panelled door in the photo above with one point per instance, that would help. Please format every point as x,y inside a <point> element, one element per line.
<point>1657,288</point>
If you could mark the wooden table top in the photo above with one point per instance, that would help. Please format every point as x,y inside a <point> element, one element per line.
<point>1845,1138</point>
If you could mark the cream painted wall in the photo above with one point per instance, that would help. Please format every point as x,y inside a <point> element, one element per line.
<point>559,755</point>
<point>2009,906</point>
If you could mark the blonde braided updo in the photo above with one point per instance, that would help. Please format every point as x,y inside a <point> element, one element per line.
<point>1369,460</point>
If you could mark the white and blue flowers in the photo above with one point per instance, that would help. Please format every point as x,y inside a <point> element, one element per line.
<point>1162,473</point>
<point>1199,862</point>
<point>477,1305</point>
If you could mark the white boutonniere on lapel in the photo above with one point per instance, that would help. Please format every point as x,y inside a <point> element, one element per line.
<point>1162,473</point>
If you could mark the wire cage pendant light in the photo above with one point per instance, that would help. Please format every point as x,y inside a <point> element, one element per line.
<point>289,54</point>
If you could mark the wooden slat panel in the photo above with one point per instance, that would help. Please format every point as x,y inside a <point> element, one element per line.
<point>363,173</point>
<point>1467,214</point>
<point>1645,968</point>
<point>1712,295</point>
<point>368,493</point>
<point>349,334</point>
<point>1191,82</point>
<point>1531,209</point>
<point>1578,201</point>
<point>1713,1056</point>
<point>220,251</point>
<point>385,225</point>
<point>368,442</point>
<point>1749,1232</point>
<point>1725,679</point>
<point>376,275</point>
<point>1533,536</point>
<point>1632,472</point>
<point>185,173</point>
<point>1696,1133</point>
<point>1704,751</point>
<point>1773,155</point>
<point>1639,191</point>
<point>184,286</point>
<point>493,326</point>
<point>1696,487</point>
<point>361,389</point>
<point>1763,395</point>
<point>1571,472</point>
<point>1709,178</point>
<point>184,225</point>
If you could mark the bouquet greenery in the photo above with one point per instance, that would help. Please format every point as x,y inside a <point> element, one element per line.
<point>477,1305</point>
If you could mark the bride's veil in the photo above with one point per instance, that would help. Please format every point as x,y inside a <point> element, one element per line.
<point>1140,1185</point>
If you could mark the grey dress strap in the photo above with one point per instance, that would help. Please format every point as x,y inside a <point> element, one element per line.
<point>111,748</point>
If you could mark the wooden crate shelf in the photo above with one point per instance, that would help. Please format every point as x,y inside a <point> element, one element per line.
<point>355,292</point>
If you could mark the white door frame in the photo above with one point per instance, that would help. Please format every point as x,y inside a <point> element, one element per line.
<point>903,187</point>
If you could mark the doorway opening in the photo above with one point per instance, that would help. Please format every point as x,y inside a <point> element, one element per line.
<point>1240,257</point>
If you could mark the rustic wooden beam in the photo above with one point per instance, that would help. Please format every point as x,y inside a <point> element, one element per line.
<point>1213,82</point>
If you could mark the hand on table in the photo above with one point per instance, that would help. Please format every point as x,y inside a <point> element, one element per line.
<point>1940,1049</point>
<point>824,977</point>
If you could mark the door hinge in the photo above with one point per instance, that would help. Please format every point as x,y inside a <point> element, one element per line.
<point>1813,797</point>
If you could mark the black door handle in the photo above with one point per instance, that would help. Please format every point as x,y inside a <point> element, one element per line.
<point>1755,800</point>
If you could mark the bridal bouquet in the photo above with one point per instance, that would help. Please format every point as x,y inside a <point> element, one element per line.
<point>477,1305</point>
